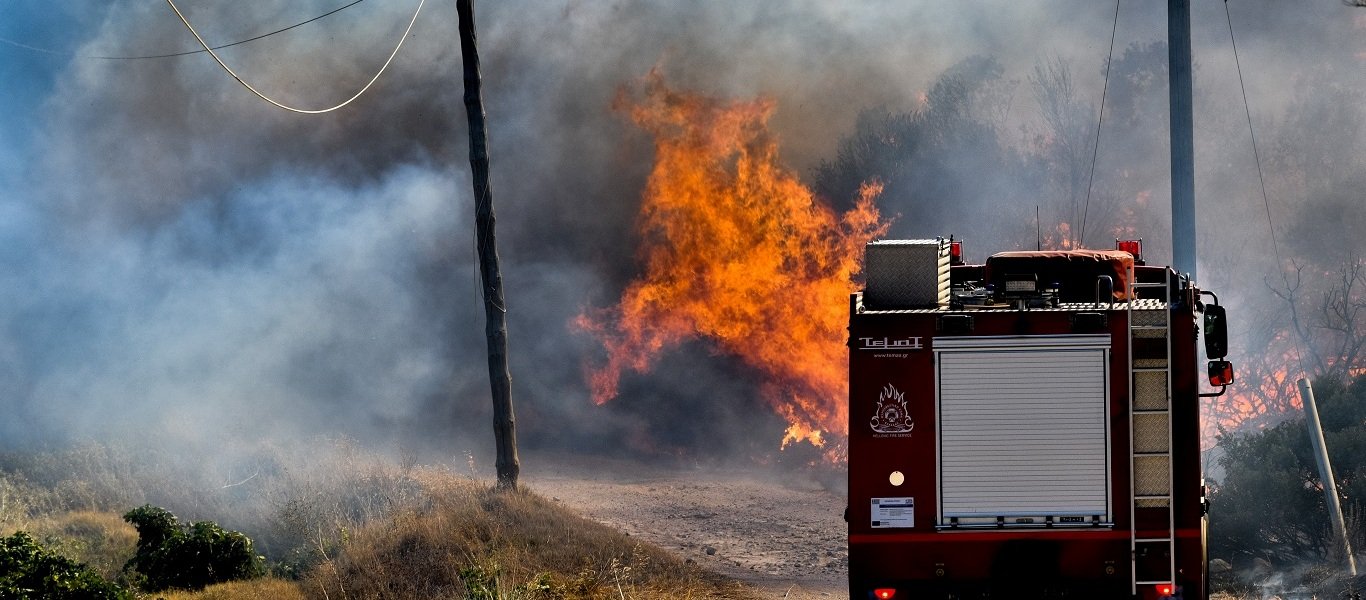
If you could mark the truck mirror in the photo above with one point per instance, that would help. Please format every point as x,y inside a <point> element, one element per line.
<point>1216,331</point>
<point>1220,372</point>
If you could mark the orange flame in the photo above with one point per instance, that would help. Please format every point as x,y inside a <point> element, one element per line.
<point>1263,394</point>
<point>1059,238</point>
<point>738,252</point>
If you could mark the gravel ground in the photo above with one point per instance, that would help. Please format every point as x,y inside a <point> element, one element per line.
<point>783,534</point>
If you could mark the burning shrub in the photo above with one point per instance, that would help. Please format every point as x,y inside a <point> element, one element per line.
<point>27,570</point>
<point>171,555</point>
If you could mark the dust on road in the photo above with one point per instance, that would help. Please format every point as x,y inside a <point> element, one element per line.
<point>783,533</point>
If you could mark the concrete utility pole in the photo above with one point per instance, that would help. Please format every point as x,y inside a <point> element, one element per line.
<point>495,311</point>
<point>1182,136</point>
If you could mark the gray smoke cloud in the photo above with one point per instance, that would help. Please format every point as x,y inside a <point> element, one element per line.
<point>190,259</point>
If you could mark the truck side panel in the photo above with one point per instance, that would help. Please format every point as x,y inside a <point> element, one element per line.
<point>906,365</point>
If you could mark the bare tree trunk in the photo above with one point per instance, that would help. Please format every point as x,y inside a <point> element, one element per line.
<point>495,311</point>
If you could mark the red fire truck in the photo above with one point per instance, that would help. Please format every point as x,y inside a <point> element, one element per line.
<point>1027,427</point>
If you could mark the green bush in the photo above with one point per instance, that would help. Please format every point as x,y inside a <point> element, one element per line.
<point>27,570</point>
<point>172,555</point>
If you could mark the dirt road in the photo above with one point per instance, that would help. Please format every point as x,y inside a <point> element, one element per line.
<point>784,534</point>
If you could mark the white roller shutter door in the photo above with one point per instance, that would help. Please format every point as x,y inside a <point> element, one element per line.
<point>1023,432</point>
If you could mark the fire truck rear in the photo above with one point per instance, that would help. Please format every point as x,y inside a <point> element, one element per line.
<point>1027,427</point>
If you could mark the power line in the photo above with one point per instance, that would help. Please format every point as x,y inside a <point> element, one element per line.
<point>1266,201</point>
<point>1095,148</point>
<point>291,108</point>
<point>264,35</point>
<point>175,54</point>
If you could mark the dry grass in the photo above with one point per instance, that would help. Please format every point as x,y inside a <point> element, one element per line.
<point>96,538</point>
<point>472,541</point>
<point>256,589</point>
<point>21,502</point>
<point>101,540</point>
<point>346,523</point>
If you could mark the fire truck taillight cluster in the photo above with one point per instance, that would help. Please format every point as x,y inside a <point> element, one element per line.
<point>1165,590</point>
<point>884,593</point>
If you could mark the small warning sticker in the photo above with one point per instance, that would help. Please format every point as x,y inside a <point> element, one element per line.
<point>893,512</point>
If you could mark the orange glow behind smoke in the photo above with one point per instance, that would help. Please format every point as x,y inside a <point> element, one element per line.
<point>1060,238</point>
<point>1255,399</point>
<point>737,252</point>
<point>1264,393</point>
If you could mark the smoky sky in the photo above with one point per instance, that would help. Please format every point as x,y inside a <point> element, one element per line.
<point>181,257</point>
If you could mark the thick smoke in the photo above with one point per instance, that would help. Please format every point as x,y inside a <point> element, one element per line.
<point>183,258</point>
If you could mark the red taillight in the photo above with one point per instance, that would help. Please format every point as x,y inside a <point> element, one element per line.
<point>884,593</point>
<point>1165,589</point>
<point>955,254</point>
<point>1134,247</point>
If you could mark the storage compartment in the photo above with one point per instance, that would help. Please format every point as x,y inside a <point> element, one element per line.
<point>906,274</point>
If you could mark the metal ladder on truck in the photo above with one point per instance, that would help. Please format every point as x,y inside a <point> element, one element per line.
<point>1152,550</point>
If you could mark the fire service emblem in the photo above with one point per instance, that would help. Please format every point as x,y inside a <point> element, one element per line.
<point>891,415</point>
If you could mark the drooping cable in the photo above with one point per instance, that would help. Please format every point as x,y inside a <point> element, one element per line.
<point>1261,179</point>
<point>1100,120</point>
<point>175,54</point>
<point>252,39</point>
<point>291,108</point>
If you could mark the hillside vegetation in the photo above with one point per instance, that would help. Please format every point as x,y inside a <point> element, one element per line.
<point>335,522</point>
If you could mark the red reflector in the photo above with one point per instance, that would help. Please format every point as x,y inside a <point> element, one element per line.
<point>1134,247</point>
<point>884,593</point>
<point>1164,589</point>
<point>1220,372</point>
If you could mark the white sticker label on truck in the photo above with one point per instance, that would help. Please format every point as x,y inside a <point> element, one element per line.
<point>893,512</point>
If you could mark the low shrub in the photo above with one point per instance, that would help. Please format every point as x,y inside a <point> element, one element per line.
<point>29,571</point>
<point>190,557</point>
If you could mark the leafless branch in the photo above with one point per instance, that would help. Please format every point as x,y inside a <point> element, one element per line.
<point>1289,296</point>
<point>1340,313</point>
<point>253,476</point>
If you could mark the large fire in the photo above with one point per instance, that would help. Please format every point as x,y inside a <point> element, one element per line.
<point>739,253</point>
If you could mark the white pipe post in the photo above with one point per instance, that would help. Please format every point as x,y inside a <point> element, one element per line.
<point>1330,486</point>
